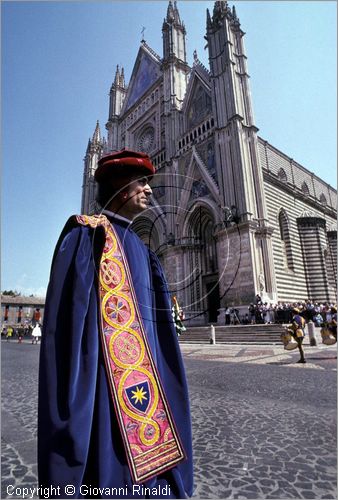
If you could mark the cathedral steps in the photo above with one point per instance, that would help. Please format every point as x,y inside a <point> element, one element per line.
<point>236,334</point>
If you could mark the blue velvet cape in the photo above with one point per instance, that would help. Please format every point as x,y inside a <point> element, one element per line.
<point>79,441</point>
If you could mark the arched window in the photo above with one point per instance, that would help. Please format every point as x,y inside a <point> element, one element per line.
<point>305,189</point>
<point>285,240</point>
<point>282,175</point>
<point>323,199</point>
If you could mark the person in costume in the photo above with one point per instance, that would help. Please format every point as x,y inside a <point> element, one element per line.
<point>9,333</point>
<point>333,321</point>
<point>36,334</point>
<point>113,416</point>
<point>178,315</point>
<point>298,328</point>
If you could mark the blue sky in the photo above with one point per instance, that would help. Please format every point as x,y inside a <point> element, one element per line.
<point>58,63</point>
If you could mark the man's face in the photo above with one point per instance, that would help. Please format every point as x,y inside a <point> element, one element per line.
<point>135,198</point>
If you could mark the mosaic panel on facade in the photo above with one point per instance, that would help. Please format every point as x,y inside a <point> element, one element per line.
<point>207,153</point>
<point>200,106</point>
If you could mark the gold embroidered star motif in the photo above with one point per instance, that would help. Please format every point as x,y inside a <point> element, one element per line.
<point>139,395</point>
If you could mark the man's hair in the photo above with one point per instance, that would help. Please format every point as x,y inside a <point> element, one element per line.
<point>110,186</point>
<point>105,191</point>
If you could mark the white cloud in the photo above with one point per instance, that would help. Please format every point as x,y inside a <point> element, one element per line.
<point>25,289</point>
<point>37,292</point>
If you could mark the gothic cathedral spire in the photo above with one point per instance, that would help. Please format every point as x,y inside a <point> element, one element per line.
<point>237,157</point>
<point>175,66</point>
<point>117,95</point>
<point>93,154</point>
<point>234,114</point>
<point>97,134</point>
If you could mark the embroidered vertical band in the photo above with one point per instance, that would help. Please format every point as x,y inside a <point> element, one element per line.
<point>148,431</point>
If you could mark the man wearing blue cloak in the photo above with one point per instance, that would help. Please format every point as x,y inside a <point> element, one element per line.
<point>114,417</point>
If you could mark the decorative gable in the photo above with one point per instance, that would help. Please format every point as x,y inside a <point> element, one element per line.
<point>146,71</point>
<point>199,106</point>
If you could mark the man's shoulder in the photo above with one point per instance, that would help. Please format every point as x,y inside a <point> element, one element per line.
<point>84,224</point>
<point>90,221</point>
<point>75,230</point>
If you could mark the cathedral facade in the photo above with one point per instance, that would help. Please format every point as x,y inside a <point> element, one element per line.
<point>231,216</point>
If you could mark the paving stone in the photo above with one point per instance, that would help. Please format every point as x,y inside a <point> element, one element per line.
<point>226,493</point>
<point>292,492</point>
<point>6,482</point>
<point>247,495</point>
<point>237,483</point>
<point>267,482</point>
<point>5,470</point>
<point>265,491</point>
<point>289,476</point>
<point>20,471</point>
<point>30,479</point>
<point>303,486</point>
<point>251,487</point>
<point>15,462</point>
<point>280,493</point>
<point>309,494</point>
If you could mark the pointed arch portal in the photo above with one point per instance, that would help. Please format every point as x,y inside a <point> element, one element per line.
<point>202,262</point>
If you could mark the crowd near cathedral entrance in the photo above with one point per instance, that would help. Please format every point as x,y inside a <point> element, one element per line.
<point>231,216</point>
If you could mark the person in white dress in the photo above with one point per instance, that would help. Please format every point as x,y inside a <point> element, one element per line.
<point>36,333</point>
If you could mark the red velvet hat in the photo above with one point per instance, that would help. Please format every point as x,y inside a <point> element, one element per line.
<point>124,163</point>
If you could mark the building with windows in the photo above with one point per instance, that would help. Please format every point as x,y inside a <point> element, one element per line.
<point>20,310</point>
<point>231,215</point>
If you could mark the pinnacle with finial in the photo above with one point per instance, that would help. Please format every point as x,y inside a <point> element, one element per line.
<point>88,145</point>
<point>117,74</point>
<point>208,19</point>
<point>234,14</point>
<point>97,133</point>
<point>170,12</point>
<point>122,82</point>
<point>176,13</point>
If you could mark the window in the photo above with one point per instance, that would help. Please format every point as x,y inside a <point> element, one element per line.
<point>285,240</point>
<point>323,199</point>
<point>282,175</point>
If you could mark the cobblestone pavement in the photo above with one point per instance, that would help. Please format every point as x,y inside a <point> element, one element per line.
<point>319,357</point>
<point>19,391</point>
<point>263,426</point>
